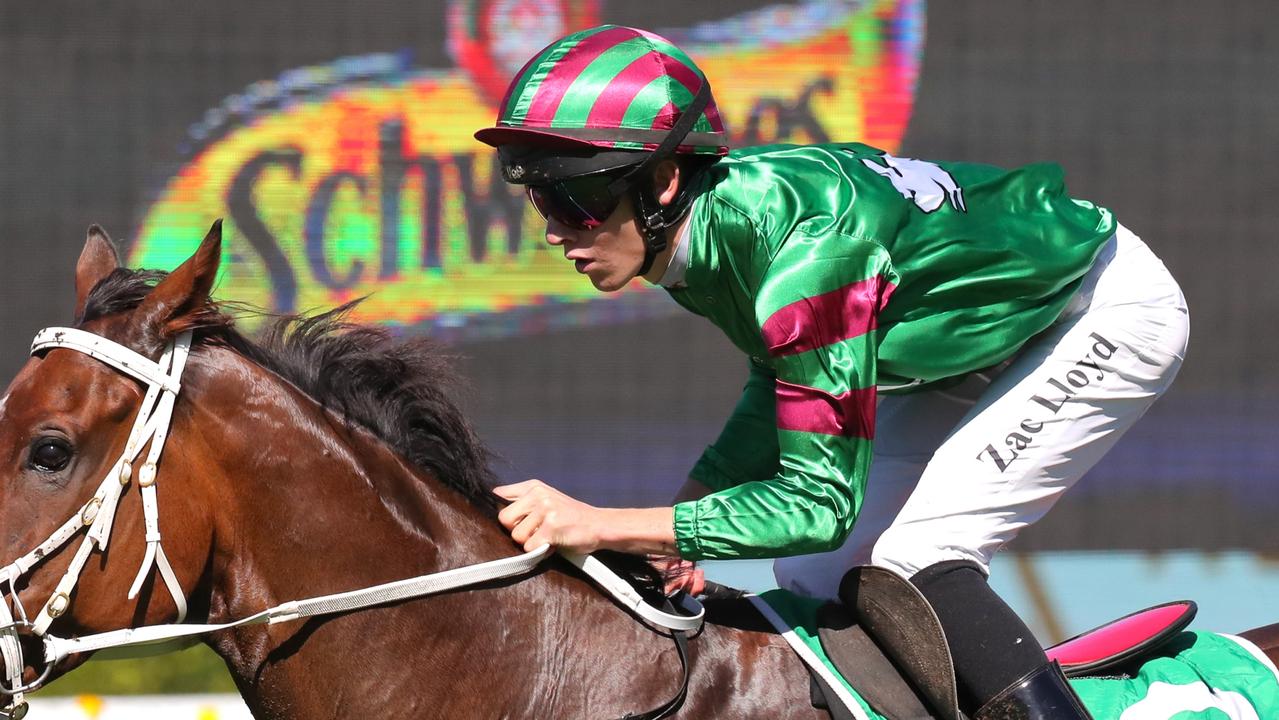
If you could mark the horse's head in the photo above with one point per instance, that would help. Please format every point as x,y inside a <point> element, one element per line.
<point>323,434</point>
<point>65,422</point>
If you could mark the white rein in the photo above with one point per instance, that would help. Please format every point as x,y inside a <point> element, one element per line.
<point>152,424</point>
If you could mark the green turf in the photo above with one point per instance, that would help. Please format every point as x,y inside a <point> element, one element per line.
<point>194,670</point>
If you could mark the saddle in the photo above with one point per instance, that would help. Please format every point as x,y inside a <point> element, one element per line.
<point>885,639</point>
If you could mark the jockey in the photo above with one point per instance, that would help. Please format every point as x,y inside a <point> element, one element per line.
<point>984,336</point>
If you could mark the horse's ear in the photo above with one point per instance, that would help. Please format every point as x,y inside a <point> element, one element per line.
<point>97,260</point>
<point>179,300</point>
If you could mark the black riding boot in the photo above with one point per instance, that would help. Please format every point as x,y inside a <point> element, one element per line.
<point>1043,694</point>
<point>998,662</point>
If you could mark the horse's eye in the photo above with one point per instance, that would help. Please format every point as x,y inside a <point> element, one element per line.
<point>50,454</point>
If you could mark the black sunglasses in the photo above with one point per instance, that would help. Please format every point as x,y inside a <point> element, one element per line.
<point>583,202</point>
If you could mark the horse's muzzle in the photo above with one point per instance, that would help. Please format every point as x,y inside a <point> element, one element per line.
<point>28,646</point>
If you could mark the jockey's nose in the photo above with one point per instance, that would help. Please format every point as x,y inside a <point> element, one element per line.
<point>557,233</point>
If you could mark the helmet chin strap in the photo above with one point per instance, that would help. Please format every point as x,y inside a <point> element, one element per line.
<point>653,224</point>
<point>652,216</point>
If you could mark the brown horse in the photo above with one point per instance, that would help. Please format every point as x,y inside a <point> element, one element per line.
<point>324,459</point>
<point>327,458</point>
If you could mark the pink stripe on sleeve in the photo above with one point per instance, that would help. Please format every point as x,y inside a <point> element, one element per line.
<point>828,318</point>
<point>851,414</point>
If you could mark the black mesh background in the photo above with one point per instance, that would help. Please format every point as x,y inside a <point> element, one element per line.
<point>1165,111</point>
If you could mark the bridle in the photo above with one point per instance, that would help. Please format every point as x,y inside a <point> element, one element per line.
<point>150,430</point>
<point>150,426</point>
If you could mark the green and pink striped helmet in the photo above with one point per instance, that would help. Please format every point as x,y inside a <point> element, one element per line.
<point>606,88</point>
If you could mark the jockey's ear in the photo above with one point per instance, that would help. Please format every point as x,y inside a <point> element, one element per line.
<point>180,300</point>
<point>97,260</point>
<point>667,179</point>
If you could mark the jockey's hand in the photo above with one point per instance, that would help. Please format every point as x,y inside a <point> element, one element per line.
<point>679,574</point>
<point>539,514</point>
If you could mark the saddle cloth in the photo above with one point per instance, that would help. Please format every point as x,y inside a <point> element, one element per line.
<point>1193,676</point>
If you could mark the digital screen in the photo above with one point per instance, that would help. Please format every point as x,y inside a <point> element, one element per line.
<point>335,139</point>
<point>360,176</point>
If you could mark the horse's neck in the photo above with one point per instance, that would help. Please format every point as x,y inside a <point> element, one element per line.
<point>323,508</point>
<point>330,509</point>
<point>327,504</point>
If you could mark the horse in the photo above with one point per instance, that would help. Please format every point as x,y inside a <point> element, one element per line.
<point>328,457</point>
<point>323,457</point>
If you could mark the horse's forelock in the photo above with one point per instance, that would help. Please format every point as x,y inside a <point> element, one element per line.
<point>123,290</point>
<point>120,291</point>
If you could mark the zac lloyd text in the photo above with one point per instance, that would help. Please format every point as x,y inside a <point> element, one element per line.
<point>1052,397</point>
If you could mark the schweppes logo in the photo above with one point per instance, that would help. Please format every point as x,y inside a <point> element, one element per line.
<point>361,177</point>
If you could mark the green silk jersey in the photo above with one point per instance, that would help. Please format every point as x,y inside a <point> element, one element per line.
<point>843,271</point>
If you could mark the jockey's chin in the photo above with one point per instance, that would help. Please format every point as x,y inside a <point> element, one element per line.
<point>611,282</point>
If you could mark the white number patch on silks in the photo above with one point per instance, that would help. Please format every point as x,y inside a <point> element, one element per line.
<point>1164,700</point>
<point>923,182</point>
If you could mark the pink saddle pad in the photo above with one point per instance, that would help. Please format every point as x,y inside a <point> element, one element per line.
<point>1122,640</point>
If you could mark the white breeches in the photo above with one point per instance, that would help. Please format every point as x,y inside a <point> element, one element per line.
<point>957,473</point>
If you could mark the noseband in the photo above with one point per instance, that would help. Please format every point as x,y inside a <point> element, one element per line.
<point>163,381</point>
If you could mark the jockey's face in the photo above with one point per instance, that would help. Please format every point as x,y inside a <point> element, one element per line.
<point>610,255</point>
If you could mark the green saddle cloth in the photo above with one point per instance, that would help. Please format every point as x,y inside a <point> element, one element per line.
<point>1195,676</point>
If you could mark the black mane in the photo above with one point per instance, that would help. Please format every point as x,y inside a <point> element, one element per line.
<point>397,388</point>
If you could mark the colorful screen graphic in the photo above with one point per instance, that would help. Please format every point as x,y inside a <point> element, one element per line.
<point>360,177</point>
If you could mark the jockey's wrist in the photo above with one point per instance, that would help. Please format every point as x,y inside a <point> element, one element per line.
<point>693,489</point>
<point>638,530</point>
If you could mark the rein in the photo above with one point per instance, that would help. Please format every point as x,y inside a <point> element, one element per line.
<point>152,426</point>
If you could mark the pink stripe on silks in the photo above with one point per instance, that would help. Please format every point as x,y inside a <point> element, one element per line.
<point>665,118</point>
<point>550,91</point>
<point>652,36</point>
<point>614,101</point>
<point>805,409</point>
<point>506,98</point>
<point>693,82</point>
<point>828,318</point>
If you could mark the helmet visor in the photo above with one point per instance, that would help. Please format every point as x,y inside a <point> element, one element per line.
<point>583,202</point>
